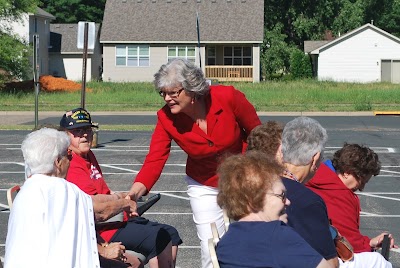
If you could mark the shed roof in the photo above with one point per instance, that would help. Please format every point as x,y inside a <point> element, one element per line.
<point>63,38</point>
<point>166,21</point>
<point>41,13</point>
<point>353,33</point>
<point>312,45</point>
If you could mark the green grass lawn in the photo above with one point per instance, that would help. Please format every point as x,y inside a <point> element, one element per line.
<point>280,96</point>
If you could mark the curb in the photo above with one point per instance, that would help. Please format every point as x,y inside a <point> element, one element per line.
<point>387,113</point>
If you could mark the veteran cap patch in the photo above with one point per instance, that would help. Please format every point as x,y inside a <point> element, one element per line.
<point>76,118</point>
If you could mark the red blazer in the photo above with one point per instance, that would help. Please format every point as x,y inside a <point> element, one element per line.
<point>343,206</point>
<point>230,119</point>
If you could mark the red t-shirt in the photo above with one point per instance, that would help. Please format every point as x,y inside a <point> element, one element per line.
<point>87,175</point>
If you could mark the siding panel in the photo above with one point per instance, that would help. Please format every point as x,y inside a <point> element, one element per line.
<point>357,58</point>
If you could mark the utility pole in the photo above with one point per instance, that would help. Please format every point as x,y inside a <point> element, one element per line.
<point>85,49</point>
<point>36,83</point>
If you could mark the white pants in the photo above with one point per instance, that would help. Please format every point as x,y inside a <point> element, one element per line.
<point>366,260</point>
<point>203,200</point>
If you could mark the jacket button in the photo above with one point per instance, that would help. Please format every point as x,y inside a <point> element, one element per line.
<point>210,143</point>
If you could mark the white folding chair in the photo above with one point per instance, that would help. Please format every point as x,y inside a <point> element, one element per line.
<point>213,254</point>
<point>212,243</point>
<point>227,221</point>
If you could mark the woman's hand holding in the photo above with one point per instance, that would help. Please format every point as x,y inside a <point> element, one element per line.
<point>137,190</point>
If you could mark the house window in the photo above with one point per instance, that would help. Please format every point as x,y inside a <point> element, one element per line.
<point>237,56</point>
<point>182,52</point>
<point>132,55</point>
<point>211,56</point>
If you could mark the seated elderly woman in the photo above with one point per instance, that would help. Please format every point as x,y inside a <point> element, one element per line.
<point>51,223</point>
<point>252,193</point>
<point>336,181</point>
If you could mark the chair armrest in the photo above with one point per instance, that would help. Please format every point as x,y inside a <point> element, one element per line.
<point>385,247</point>
<point>148,203</point>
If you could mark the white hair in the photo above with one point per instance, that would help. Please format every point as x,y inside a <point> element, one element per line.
<point>302,138</point>
<point>42,148</point>
<point>182,72</point>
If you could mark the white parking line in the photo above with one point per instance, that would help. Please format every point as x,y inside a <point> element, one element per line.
<point>390,171</point>
<point>119,168</point>
<point>380,216</point>
<point>379,196</point>
<point>376,149</point>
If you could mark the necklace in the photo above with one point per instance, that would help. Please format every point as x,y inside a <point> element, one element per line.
<point>290,175</point>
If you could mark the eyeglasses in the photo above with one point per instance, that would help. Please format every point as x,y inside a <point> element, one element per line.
<point>172,94</point>
<point>79,132</point>
<point>282,196</point>
<point>69,154</point>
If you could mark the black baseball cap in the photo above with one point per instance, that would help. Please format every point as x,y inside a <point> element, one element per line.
<point>76,118</point>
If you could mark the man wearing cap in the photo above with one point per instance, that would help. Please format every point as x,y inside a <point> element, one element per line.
<point>152,239</point>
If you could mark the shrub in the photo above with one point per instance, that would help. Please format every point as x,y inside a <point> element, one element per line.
<point>300,65</point>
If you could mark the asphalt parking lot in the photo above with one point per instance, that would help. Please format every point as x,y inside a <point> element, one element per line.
<point>121,155</point>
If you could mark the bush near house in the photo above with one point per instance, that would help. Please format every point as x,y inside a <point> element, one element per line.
<point>300,65</point>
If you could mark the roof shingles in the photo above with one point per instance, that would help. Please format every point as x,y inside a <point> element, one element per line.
<point>164,21</point>
<point>63,38</point>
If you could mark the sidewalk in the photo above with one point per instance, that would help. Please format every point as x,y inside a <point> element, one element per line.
<point>19,118</point>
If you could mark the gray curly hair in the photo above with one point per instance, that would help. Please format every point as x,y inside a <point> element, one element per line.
<point>302,138</point>
<point>181,72</point>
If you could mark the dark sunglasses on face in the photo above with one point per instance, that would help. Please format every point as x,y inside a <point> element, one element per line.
<point>69,154</point>
<point>282,196</point>
<point>172,94</point>
<point>79,132</point>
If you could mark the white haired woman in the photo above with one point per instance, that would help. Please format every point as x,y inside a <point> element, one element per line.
<point>51,223</point>
<point>207,122</point>
<point>303,141</point>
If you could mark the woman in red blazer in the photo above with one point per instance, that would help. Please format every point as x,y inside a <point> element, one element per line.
<point>208,123</point>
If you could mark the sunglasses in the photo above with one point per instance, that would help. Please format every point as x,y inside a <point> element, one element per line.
<point>172,94</point>
<point>69,154</point>
<point>79,132</point>
<point>282,196</point>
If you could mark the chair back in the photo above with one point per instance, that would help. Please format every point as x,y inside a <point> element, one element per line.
<point>11,193</point>
<point>212,243</point>
<point>227,221</point>
<point>213,254</point>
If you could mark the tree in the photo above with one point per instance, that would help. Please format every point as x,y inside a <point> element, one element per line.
<point>14,57</point>
<point>73,11</point>
<point>13,10</point>
<point>301,19</point>
<point>350,17</point>
<point>275,52</point>
<point>13,51</point>
<point>385,14</point>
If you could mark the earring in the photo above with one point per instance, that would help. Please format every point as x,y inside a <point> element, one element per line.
<point>192,102</point>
